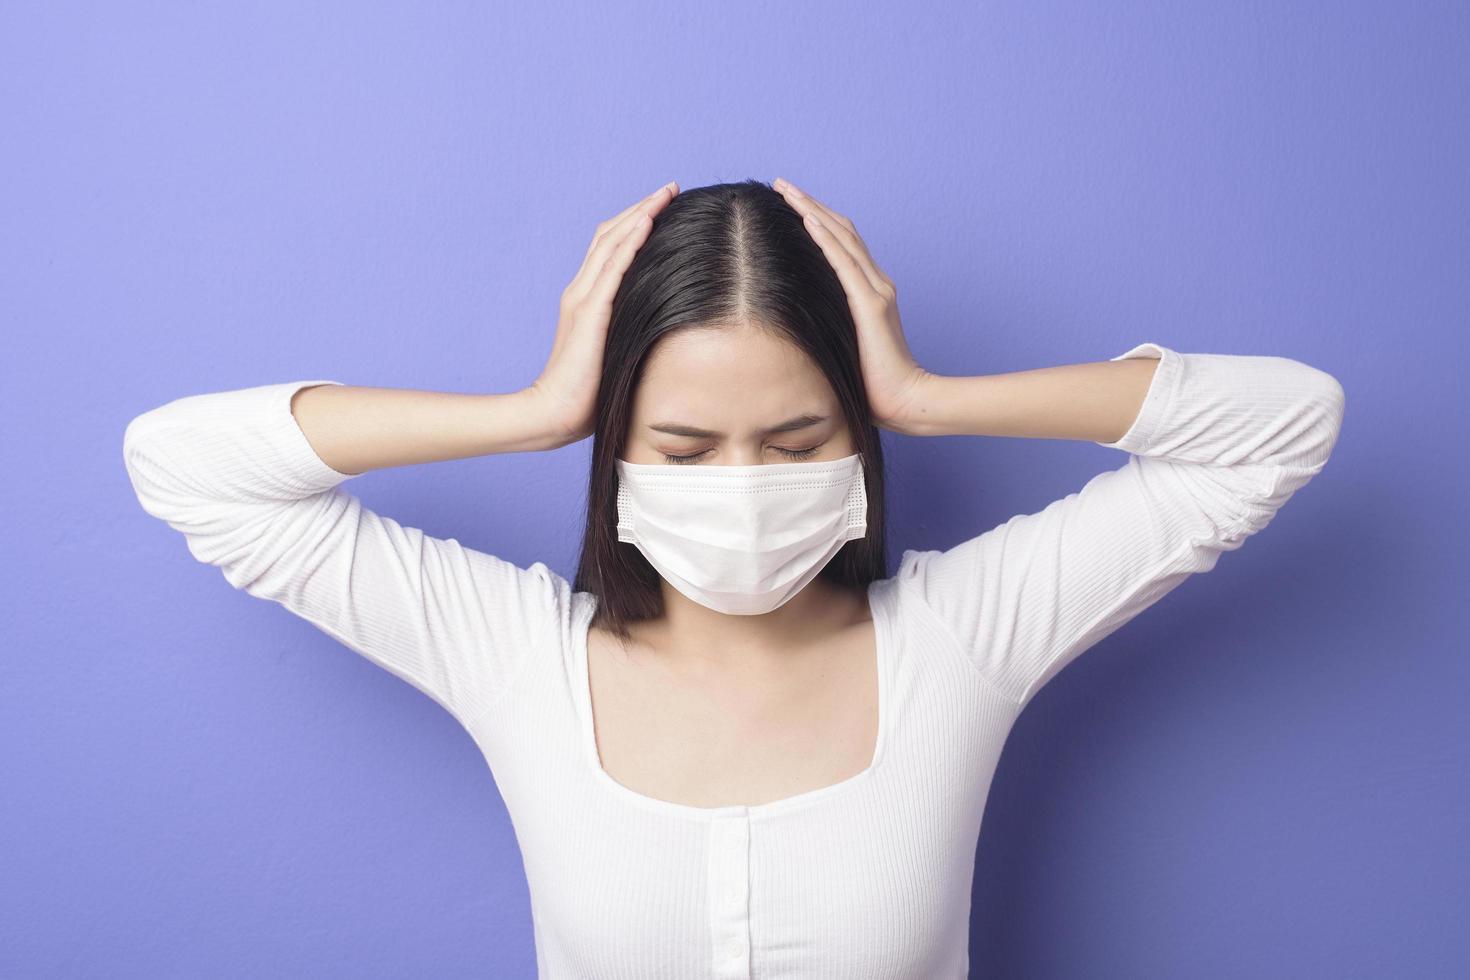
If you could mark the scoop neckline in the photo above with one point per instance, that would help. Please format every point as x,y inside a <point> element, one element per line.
<point>878,609</point>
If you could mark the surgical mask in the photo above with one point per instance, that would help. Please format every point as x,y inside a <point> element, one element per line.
<point>741,539</point>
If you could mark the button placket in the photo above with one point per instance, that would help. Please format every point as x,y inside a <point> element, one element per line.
<point>729,896</point>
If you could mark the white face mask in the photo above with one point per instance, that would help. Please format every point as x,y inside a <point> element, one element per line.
<point>741,539</point>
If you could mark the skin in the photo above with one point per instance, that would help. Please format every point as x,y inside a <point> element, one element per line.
<point>738,382</point>
<point>705,708</point>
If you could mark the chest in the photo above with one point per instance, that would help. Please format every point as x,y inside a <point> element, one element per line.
<point>740,734</point>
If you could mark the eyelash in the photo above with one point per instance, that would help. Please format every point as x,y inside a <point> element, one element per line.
<point>792,453</point>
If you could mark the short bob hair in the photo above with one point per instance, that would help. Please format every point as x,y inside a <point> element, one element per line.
<point>716,256</point>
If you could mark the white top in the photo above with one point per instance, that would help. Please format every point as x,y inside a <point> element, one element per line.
<point>869,877</point>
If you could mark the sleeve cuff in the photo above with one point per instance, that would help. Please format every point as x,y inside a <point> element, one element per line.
<point>302,463</point>
<point>1156,402</point>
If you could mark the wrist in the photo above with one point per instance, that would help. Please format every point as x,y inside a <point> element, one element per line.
<point>920,416</point>
<point>542,416</point>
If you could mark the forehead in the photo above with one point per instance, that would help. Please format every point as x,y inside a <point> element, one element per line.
<point>740,376</point>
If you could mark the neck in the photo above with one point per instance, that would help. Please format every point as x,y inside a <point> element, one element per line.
<point>697,632</point>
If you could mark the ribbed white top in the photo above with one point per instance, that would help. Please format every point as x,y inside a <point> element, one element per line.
<point>869,877</point>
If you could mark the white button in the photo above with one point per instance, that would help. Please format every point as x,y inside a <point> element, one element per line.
<point>735,948</point>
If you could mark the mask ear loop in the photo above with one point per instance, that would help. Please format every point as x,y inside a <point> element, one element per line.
<point>625,513</point>
<point>857,508</point>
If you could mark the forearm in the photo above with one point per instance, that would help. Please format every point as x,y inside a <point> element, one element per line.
<point>1096,401</point>
<point>355,429</point>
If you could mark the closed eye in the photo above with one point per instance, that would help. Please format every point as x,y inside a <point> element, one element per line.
<point>790,453</point>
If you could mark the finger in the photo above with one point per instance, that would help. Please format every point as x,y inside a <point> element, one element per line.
<point>794,192</point>
<point>851,245</point>
<point>669,189</point>
<point>613,227</point>
<point>849,271</point>
<point>608,238</point>
<point>842,229</point>
<point>846,232</point>
<point>610,275</point>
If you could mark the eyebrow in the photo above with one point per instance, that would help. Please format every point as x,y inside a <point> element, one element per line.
<point>790,425</point>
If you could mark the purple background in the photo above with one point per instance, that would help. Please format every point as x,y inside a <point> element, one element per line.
<point>1263,776</point>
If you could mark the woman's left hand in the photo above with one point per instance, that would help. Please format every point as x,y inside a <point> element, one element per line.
<point>893,379</point>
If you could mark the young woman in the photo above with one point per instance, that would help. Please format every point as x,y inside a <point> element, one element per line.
<point>733,746</point>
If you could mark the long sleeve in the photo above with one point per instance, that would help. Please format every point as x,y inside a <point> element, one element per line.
<point>234,473</point>
<point>1220,443</point>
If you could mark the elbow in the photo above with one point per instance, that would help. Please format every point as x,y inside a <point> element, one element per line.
<point>136,448</point>
<point>1329,400</point>
<point>146,461</point>
<point>132,444</point>
<point>131,436</point>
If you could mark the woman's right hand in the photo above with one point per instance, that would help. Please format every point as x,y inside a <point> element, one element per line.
<point>566,389</point>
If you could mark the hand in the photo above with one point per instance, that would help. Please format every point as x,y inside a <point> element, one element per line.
<point>567,387</point>
<point>893,379</point>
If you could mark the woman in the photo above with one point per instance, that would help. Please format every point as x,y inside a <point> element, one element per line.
<point>733,747</point>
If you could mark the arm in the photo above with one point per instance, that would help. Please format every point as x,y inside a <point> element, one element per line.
<point>1217,444</point>
<point>251,478</point>
<point>1097,401</point>
<point>254,489</point>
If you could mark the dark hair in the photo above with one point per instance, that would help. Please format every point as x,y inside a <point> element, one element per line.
<point>716,256</point>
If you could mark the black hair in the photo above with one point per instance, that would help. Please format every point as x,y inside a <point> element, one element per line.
<point>716,256</point>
